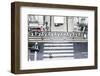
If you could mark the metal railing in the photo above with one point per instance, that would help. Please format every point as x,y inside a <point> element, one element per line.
<point>59,35</point>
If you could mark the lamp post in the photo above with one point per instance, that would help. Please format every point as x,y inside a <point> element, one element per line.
<point>35,49</point>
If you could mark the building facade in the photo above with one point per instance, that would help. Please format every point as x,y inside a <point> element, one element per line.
<point>57,37</point>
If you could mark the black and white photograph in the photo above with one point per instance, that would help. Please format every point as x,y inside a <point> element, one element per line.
<point>52,37</point>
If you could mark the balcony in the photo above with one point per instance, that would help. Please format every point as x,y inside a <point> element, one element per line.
<point>50,36</point>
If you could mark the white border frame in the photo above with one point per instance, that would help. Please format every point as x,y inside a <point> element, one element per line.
<point>25,64</point>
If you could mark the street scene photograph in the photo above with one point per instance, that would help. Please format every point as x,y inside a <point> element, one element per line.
<point>52,37</point>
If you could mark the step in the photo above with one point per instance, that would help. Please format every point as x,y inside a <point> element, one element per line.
<point>58,47</point>
<point>58,58</point>
<point>58,44</point>
<point>53,55</point>
<point>56,51</point>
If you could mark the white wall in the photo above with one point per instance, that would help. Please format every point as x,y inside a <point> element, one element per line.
<point>5,42</point>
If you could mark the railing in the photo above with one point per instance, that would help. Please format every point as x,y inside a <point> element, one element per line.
<point>59,35</point>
